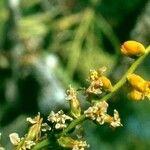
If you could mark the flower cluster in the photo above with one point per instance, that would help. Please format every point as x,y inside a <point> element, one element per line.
<point>22,143</point>
<point>59,119</point>
<point>68,142</point>
<point>140,87</point>
<point>98,82</point>
<point>33,135</point>
<point>98,113</point>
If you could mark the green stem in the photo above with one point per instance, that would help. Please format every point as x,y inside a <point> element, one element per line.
<point>41,145</point>
<point>73,124</point>
<point>116,87</point>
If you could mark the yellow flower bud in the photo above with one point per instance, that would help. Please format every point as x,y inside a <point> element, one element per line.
<point>132,48</point>
<point>137,82</point>
<point>106,83</point>
<point>135,95</point>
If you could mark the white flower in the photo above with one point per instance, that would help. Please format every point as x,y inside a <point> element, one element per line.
<point>14,138</point>
<point>59,119</point>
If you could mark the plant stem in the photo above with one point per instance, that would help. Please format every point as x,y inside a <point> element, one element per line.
<point>115,88</point>
<point>41,145</point>
<point>73,124</point>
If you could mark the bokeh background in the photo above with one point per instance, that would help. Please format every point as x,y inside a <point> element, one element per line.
<point>46,45</point>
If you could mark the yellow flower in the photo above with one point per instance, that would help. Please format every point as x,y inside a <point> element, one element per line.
<point>132,48</point>
<point>137,82</point>
<point>135,95</point>
<point>141,87</point>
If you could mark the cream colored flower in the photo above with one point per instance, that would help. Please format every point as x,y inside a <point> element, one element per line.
<point>14,138</point>
<point>59,119</point>
<point>98,113</point>
<point>74,102</point>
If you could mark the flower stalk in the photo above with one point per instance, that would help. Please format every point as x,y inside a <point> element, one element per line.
<point>114,89</point>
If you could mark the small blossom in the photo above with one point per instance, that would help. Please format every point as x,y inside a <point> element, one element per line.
<point>14,138</point>
<point>28,144</point>
<point>115,122</point>
<point>59,119</point>
<point>45,127</point>
<point>98,82</point>
<point>98,112</point>
<point>74,102</point>
<point>132,48</point>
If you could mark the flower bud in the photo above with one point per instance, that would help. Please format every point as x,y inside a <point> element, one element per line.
<point>132,48</point>
<point>35,129</point>
<point>74,102</point>
<point>137,82</point>
<point>106,83</point>
<point>135,95</point>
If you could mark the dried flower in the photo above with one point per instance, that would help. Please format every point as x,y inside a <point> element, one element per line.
<point>132,48</point>
<point>21,143</point>
<point>98,112</point>
<point>35,130</point>
<point>45,127</point>
<point>113,121</point>
<point>98,82</point>
<point>14,138</point>
<point>59,119</point>
<point>74,102</point>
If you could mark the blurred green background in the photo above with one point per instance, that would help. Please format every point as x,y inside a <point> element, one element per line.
<point>46,45</point>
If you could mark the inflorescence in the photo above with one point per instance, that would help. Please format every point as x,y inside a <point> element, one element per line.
<point>97,112</point>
